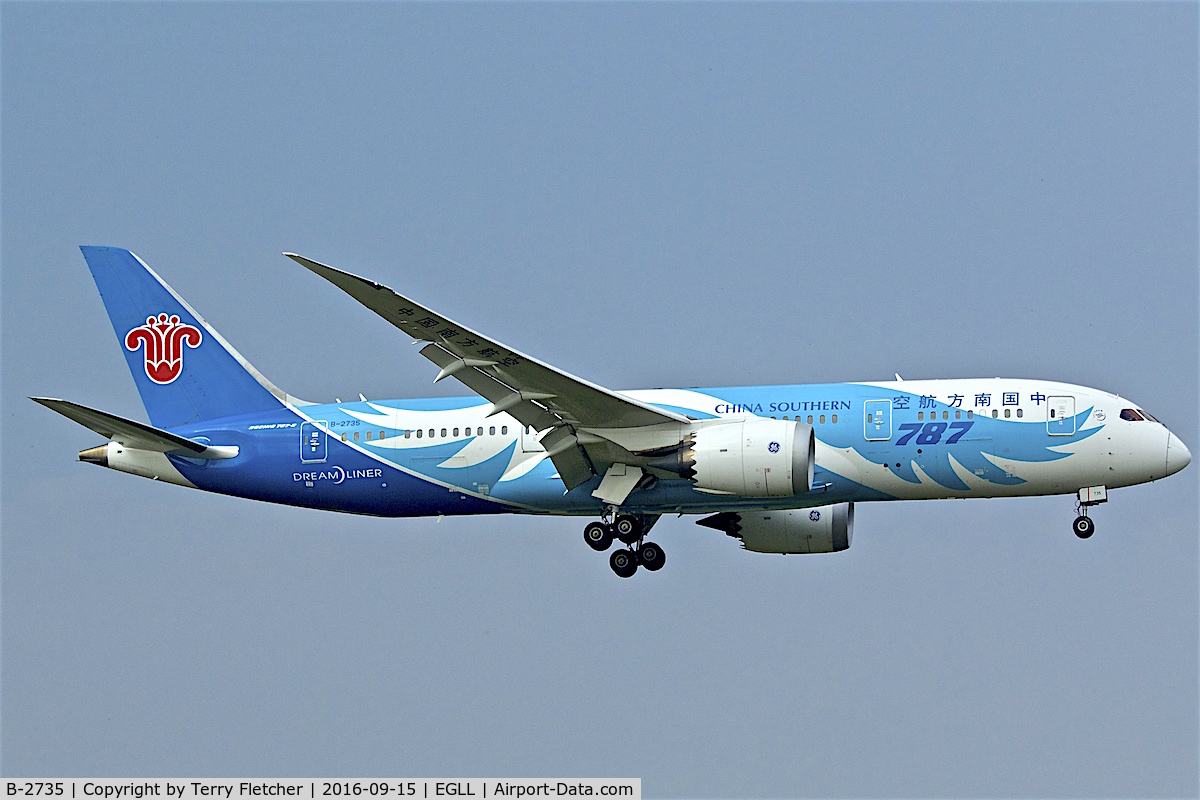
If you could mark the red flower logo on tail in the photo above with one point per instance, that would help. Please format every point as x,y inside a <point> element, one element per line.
<point>163,339</point>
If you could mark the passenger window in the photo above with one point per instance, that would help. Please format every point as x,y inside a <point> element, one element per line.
<point>995,413</point>
<point>958,415</point>
<point>343,437</point>
<point>408,434</point>
<point>419,432</point>
<point>368,436</point>
<point>1130,415</point>
<point>504,430</point>
<point>1007,413</point>
<point>970,415</point>
<point>480,432</point>
<point>443,433</point>
<point>785,417</point>
<point>382,435</point>
<point>431,433</point>
<point>920,416</point>
<point>356,436</point>
<point>492,431</point>
<point>456,431</point>
<point>1020,413</point>
<point>822,419</point>
<point>834,420</point>
<point>945,415</point>
<point>810,418</point>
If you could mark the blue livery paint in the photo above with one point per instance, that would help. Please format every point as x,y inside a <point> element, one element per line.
<point>213,383</point>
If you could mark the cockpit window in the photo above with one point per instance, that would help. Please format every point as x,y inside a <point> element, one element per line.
<point>1131,415</point>
<point>1147,416</point>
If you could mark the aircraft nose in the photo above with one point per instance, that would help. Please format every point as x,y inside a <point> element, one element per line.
<point>1178,455</point>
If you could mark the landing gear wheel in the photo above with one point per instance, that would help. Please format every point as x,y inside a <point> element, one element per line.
<point>652,556</point>
<point>598,536</point>
<point>1083,527</point>
<point>623,562</point>
<point>628,529</point>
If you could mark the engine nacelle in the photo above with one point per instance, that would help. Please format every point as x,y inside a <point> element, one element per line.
<point>827,529</point>
<point>754,458</point>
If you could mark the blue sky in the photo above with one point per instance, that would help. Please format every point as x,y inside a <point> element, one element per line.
<point>644,195</point>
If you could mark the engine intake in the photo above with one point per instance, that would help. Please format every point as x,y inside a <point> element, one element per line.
<point>754,458</point>
<point>827,529</point>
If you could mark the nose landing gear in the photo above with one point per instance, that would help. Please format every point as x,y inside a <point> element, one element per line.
<point>631,530</point>
<point>1083,526</point>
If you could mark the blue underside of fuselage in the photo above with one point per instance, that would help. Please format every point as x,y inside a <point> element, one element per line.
<point>268,467</point>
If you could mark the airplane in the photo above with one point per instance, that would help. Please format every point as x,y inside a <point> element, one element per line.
<point>779,468</point>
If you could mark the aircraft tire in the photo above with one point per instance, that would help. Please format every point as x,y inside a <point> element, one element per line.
<point>628,529</point>
<point>598,536</point>
<point>624,563</point>
<point>1083,527</point>
<point>652,556</point>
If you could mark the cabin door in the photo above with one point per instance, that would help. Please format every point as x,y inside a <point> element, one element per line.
<point>529,440</point>
<point>314,442</point>
<point>1060,415</point>
<point>877,424</point>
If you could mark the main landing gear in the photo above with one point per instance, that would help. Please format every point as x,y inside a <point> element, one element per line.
<point>631,531</point>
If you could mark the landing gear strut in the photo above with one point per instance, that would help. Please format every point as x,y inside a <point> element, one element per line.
<point>631,530</point>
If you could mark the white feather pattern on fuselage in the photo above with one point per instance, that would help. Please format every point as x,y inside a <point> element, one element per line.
<point>476,450</point>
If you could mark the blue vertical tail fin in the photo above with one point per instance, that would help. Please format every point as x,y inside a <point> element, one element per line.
<point>184,370</point>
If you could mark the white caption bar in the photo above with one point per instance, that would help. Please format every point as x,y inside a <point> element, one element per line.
<point>324,788</point>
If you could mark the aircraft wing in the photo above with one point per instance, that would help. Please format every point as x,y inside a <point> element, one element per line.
<point>130,433</point>
<point>533,392</point>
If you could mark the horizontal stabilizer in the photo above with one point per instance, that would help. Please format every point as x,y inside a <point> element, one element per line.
<point>131,434</point>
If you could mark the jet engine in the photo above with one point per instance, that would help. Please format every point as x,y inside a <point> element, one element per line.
<point>754,458</point>
<point>827,529</point>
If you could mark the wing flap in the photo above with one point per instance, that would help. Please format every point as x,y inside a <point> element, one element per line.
<point>570,459</point>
